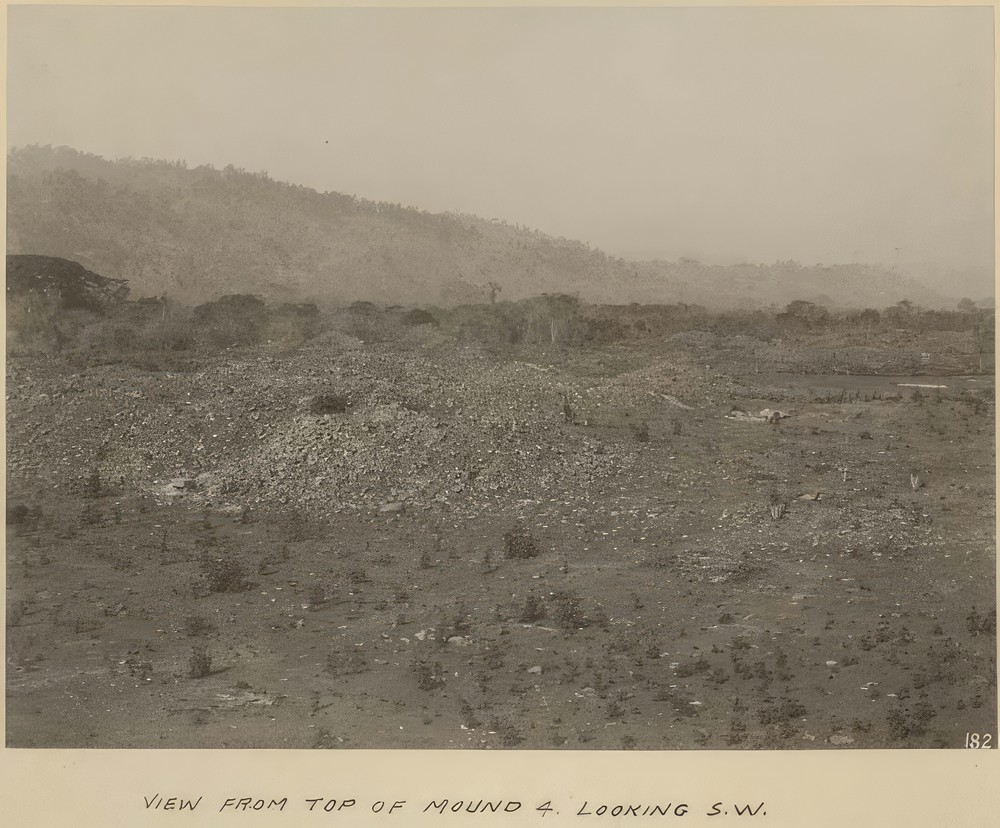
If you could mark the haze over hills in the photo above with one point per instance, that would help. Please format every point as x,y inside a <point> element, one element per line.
<point>195,234</point>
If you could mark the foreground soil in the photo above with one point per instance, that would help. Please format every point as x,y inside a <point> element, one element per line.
<point>547,548</point>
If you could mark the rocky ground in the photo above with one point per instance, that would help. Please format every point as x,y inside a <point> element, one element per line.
<point>422,544</point>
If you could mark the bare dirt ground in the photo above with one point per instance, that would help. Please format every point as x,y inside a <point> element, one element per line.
<point>424,545</point>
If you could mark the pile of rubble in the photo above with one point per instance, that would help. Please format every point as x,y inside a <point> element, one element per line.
<point>457,431</point>
<point>389,457</point>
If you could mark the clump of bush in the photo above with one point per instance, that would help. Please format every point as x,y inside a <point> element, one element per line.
<point>418,316</point>
<point>519,543</point>
<point>237,319</point>
<point>567,611</point>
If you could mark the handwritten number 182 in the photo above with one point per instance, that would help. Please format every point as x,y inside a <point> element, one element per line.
<point>978,741</point>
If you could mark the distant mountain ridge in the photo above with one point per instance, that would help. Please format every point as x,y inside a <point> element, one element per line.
<point>199,233</point>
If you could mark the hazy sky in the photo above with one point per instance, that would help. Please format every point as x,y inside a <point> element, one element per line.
<point>823,135</point>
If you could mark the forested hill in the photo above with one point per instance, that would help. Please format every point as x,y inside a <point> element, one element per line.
<point>195,234</point>
<point>198,233</point>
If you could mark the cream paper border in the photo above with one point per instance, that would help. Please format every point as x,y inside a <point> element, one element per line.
<point>799,788</point>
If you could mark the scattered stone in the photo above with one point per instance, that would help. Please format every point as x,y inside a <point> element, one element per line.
<point>537,670</point>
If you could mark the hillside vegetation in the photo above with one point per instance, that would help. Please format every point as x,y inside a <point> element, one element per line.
<point>197,234</point>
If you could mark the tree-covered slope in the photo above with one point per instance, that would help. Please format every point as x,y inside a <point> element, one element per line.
<point>196,234</point>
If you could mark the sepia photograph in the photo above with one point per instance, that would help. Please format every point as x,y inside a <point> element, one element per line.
<point>514,378</point>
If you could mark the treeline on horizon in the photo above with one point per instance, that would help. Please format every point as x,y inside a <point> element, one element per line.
<point>100,325</point>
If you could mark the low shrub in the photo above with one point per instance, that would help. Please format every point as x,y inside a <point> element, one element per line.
<point>224,574</point>
<point>519,543</point>
<point>567,611</point>
<point>418,316</point>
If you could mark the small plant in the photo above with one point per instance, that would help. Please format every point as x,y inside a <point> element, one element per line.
<point>690,668</point>
<point>777,510</point>
<point>569,416</point>
<point>741,642</point>
<point>17,515</point>
<point>357,578</point>
<point>429,676</point>
<point>317,595</point>
<point>457,623</point>
<point>15,613</point>
<point>510,735</point>
<point>519,543</point>
<point>898,724</point>
<point>469,716</point>
<point>982,624</point>
<point>197,625</point>
<point>200,663</point>
<point>534,610</point>
<point>785,711</point>
<point>138,669</point>
<point>91,515</point>
<point>346,661</point>
<point>737,731</point>
<point>861,725</point>
<point>224,574</point>
<point>92,486</point>
<point>640,431</point>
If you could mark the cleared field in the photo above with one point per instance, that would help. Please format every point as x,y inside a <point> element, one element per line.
<point>423,544</point>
